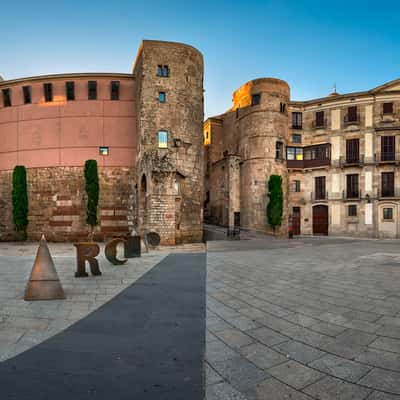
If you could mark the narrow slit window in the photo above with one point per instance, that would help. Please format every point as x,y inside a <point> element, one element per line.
<point>255,99</point>
<point>27,91</point>
<point>92,90</point>
<point>70,90</point>
<point>115,90</point>
<point>162,139</point>
<point>48,92</point>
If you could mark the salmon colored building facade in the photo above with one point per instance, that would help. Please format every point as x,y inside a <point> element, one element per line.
<point>52,124</point>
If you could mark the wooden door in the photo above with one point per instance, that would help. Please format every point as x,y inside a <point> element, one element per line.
<point>320,220</point>
<point>296,218</point>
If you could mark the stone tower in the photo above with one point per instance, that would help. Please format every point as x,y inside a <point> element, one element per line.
<point>261,109</point>
<point>169,98</point>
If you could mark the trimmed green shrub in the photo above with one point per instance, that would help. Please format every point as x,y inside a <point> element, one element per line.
<point>20,200</point>
<point>92,190</point>
<point>275,205</point>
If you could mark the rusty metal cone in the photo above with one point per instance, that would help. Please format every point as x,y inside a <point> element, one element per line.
<point>44,283</point>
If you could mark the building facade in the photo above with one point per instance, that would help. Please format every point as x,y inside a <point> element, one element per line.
<point>144,129</point>
<point>337,156</point>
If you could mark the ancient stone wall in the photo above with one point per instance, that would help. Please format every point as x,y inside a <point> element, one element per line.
<point>181,163</point>
<point>57,203</point>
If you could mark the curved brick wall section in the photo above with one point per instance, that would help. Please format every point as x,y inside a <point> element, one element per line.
<point>57,203</point>
<point>67,133</point>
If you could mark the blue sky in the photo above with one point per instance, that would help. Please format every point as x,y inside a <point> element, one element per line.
<point>310,44</point>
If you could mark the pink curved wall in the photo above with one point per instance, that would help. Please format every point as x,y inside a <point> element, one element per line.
<point>67,133</point>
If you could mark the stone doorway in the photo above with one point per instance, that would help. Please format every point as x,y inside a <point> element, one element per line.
<point>296,218</point>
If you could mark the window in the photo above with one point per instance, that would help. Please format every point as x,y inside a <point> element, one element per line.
<point>27,91</point>
<point>319,119</point>
<point>114,90</point>
<point>255,99</point>
<point>282,107</point>
<point>352,150</point>
<point>7,97</point>
<point>163,71</point>
<point>92,90</point>
<point>162,97</point>
<point>70,89</point>
<point>294,153</point>
<point>162,139</point>
<point>352,186</point>
<point>296,138</point>
<point>48,92</point>
<point>320,188</point>
<point>296,186</point>
<point>387,148</point>
<point>104,151</point>
<point>387,184</point>
<point>279,151</point>
<point>352,210</point>
<point>388,213</point>
<point>297,120</point>
<point>352,114</point>
<point>387,108</point>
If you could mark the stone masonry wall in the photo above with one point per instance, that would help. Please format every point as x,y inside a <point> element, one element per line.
<point>57,203</point>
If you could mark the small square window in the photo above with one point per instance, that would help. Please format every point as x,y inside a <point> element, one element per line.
<point>70,89</point>
<point>388,213</point>
<point>114,90</point>
<point>352,210</point>
<point>255,99</point>
<point>104,151</point>
<point>162,97</point>
<point>7,97</point>
<point>92,90</point>
<point>296,138</point>
<point>162,139</point>
<point>27,90</point>
<point>48,92</point>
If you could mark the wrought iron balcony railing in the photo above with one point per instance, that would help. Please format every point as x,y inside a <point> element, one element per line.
<point>320,124</point>
<point>353,120</point>
<point>389,193</point>
<point>352,194</point>
<point>352,160</point>
<point>319,196</point>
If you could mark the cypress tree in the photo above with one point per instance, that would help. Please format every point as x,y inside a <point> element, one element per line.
<point>20,199</point>
<point>92,190</point>
<point>275,205</point>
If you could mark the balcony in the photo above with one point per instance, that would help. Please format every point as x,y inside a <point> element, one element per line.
<point>320,124</point>
<point>388,157</point>
<point>300,164</point>
<point>351,160</point>
<point>319,196</point>
<point>352,194</point>
<point>388,193</point>
<point>353,120</point>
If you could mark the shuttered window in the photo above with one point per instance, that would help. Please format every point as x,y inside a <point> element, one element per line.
<point>387,148</point>
<point>388,108</point>
<point>352,186</point>
<point>319,118</point>
<point>353,150</point>
<point>387,183</point>
<point>320,188</point>
<point>352,114</point>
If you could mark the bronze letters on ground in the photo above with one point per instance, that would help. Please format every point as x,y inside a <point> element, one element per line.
<point>87,251</point>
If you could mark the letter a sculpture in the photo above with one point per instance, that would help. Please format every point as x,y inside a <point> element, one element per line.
<point>44,283</point>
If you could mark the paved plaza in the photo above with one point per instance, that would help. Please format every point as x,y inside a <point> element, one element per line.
<point>309,318</point>
<point>315,318</point>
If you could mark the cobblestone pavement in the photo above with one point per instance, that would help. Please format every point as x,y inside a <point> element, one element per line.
<point>25,324</point>
<point>315,318</point>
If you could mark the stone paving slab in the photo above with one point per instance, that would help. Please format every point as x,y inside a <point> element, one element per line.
<point>327,316</point>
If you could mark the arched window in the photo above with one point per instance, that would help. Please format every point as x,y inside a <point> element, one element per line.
<point>162,139</point>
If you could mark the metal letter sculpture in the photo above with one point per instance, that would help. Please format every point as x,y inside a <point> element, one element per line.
<point>111,251</point>
<point>87,251</point>
<point>132,247</point>
<point>44,283</point>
